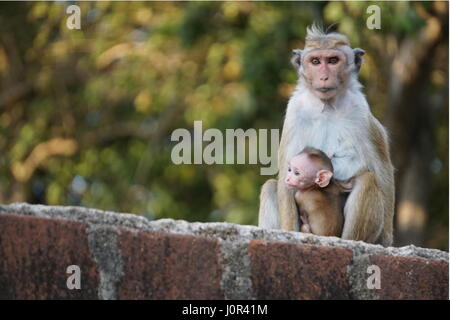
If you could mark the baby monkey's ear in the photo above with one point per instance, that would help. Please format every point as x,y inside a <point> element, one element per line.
<point>323,178</point>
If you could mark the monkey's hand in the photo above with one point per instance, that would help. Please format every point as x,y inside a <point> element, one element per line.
<point>346,185</point>
<point>305,228</point>
<point>349,184</point>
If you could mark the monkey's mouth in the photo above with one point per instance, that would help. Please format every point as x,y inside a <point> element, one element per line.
<point>290,186</point>
<point>326,89</point>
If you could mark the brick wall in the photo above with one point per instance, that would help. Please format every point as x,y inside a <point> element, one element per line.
<point>123,256</point>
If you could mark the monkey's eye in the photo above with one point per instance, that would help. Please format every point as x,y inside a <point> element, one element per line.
<point>289,170</point>
<point>315,61</point>
<point>333,60</point>
<point>296,172</point>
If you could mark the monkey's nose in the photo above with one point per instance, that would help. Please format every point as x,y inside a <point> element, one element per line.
<point>324,77</point>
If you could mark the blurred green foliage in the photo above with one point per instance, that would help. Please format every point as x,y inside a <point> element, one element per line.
<point>114,91</point>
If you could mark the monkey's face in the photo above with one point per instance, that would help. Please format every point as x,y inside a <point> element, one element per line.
<point>301,173</point>
<point>324,72</point>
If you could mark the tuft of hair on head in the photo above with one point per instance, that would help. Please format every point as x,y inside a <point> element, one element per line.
<point>315,31</point>
<point>317,36</point>
<point>319,157</point>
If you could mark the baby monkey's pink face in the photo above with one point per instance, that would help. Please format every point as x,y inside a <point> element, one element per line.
<point>304,173</point>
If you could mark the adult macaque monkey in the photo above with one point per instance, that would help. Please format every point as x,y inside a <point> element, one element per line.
<point>328,111</point>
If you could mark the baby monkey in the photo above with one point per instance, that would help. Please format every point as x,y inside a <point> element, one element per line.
<point>318,195</point>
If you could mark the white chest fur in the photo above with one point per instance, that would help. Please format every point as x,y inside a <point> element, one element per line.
<point>335,130</point>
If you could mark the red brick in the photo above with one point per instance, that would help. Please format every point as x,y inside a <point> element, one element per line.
<point>289,271</point>
<point>411,278</point>
<point>167,266</point>
<point>34,256</point>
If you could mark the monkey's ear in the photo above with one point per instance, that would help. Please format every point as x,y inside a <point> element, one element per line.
<point>323,178</point>
<point>296,59</point>
<point>358,58</point>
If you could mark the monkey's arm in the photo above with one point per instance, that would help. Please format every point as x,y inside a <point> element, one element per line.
<point>364,210</point>
<point>287,208</point>
<point>385,179</point>
<point>369,209</point>
<point>268,216</point>
<point>305,227</point>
